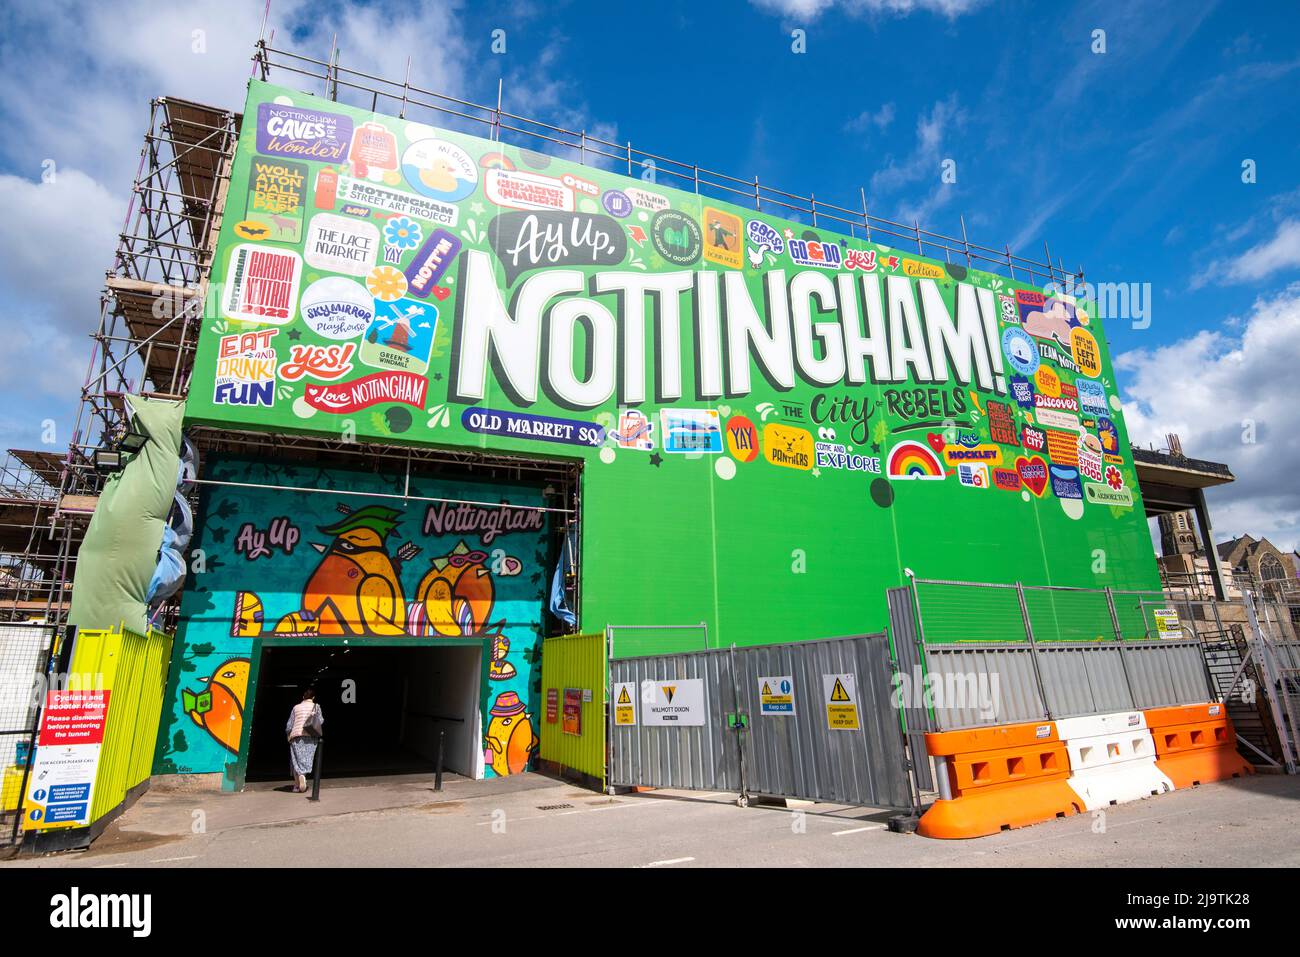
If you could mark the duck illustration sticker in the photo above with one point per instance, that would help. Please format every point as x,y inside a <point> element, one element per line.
<point>439,169</point>
<point>220,709</point>
<point>510,740</point>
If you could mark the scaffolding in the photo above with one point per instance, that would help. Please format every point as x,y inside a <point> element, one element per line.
<point>156,292</point>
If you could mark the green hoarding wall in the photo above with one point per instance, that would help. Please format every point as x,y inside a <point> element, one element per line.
<point>776,420</point>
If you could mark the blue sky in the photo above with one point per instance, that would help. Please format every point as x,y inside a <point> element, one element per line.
<point>1127,162</point>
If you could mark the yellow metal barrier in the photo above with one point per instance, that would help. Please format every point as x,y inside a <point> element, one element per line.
<point>576,663</point>
<point>133,668</point>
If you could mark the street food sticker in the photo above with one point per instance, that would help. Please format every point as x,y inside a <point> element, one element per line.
<point>624,703</point>
<point>841,696</point>
<point>776,695</point>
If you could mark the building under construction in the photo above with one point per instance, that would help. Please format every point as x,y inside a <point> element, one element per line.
<point>456,382</point>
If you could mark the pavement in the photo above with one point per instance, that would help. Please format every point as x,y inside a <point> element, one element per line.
<point>535,821</point>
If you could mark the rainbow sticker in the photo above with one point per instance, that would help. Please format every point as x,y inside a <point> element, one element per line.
<point>495,161</point>
<point>912,460</point>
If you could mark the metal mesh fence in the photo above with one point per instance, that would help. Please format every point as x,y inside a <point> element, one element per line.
<point>635,641</point>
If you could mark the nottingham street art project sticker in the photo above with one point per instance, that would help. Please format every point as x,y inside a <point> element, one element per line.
<point>440,170</point>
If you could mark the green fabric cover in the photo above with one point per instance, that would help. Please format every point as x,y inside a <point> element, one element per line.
<point>120,552</point>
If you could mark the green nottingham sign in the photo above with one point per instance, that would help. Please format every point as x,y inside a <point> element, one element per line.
<point>776,420</point>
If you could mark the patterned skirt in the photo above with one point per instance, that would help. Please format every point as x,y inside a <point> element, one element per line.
<point>302,753</point>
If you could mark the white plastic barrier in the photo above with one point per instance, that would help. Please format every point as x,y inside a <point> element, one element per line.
<point>1112,758</point>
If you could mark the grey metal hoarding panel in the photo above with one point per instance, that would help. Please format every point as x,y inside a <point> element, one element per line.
<point>799,755</point>
<point>695,757</point>
<point>1167,673</point>
<point>1083,679</point>
<point>1007,670</point>
<point>907,654</point>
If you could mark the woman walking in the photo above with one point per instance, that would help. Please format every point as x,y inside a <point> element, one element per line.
<point>305,727</point>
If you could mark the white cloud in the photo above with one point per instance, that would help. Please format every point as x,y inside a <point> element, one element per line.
<point>1230,399</point>
<point>1282,251</point>
<point>923,165</point>
<point>58,239</point>
<point>864,121</point>
<point>811,9</point>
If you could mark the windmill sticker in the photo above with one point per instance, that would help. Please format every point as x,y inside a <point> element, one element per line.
<point>400,336</point>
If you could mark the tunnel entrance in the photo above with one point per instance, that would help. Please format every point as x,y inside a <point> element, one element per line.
<point>383,707</point>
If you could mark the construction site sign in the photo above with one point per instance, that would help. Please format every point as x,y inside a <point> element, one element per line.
<point>674,702</point>
<point>776,695</point>
<point>841,695</point>
<point>624,702</point>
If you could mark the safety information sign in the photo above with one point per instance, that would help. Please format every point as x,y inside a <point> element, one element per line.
<point>1167,624</point>
<point>673,702</point>
<point>62,781</point>
<point>841,702</point>
<point>624,702</point>
<point>776,695</point>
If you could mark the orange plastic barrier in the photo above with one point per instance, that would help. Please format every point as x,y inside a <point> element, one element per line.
<point>995,778</point>
<point>1196,744</point>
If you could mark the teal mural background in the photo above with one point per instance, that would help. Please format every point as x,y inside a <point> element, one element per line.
<point>201,735</point>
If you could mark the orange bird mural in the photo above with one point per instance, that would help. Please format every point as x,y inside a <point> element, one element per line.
<point>219,710</point>
<point>356,588</point>
<point>458,593</point>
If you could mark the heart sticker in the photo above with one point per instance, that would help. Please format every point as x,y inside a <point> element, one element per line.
<point>1033,472</point>
<point>441,292</point>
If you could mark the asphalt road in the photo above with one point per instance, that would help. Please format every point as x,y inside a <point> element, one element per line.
<point>538,822</point>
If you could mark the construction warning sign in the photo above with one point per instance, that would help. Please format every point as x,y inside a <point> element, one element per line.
<point>776,695</point>
<point>624,702</point>
<point>841,694</point>
<point>1167,624</point>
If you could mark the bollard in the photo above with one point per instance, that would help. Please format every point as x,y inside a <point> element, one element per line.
<point>315,771</point>
<point>437,778</point>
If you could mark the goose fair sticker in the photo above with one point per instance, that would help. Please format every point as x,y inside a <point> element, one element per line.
<point>337,308</point>
<point>440,170</point>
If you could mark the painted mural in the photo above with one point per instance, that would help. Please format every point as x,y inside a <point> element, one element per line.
<point>283,564</point>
